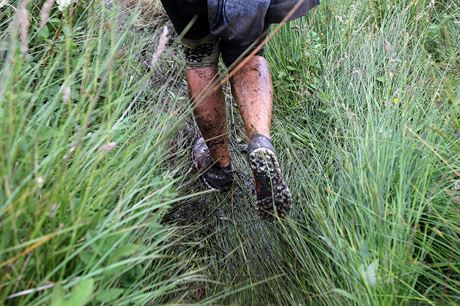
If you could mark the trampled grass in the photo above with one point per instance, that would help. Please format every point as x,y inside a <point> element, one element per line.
<point>98,203</point>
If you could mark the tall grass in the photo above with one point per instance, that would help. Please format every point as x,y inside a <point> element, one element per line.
<point>98,203</point>
<point>364,128</point>
<point>83,161</point>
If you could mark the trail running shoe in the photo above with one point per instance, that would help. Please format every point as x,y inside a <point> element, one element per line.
<point>214,176</point>
<point>272,193</point>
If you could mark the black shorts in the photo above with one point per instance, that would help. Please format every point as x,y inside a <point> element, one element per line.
<point>201,48</point>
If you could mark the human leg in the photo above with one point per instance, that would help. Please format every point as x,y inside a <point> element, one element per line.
<point>201,49</point>
<point>253,91</point>
<point>210,112</point>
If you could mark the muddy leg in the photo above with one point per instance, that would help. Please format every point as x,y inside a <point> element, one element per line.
<point>253,91</point>
<point>210,112</point>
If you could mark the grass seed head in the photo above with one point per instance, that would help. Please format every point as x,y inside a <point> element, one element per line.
<point>23,20</point>
<point>107,147</point>
<point>66,94</point>
<point>45,12</point>
<point>161,48</point>
<point>63,4</point>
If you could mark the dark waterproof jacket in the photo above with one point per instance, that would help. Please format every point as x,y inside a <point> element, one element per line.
<point>243,21</point>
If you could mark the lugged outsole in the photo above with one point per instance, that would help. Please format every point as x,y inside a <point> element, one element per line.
<point>273,189</point>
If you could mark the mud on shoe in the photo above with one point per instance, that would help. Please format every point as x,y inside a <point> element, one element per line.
<point>214,176</point>
<point>272,193</point>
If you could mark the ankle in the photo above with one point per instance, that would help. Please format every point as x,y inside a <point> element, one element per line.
<point>224,164</point>
<point>260,141</point>
<point>256,135</point>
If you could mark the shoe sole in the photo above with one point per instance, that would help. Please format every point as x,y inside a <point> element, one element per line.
<point>267,172</point>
